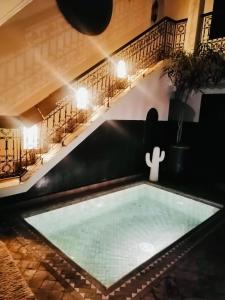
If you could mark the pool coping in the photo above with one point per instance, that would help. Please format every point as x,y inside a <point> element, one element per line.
<point>112,188</point>
<point>144,275</point>
<point>30,204</point>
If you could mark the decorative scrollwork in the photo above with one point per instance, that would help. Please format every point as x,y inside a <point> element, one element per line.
<point>142,52</point>
<point>6,168</point>
<point>5,132</point>
<point>10,149</point>
<point>216,44</point>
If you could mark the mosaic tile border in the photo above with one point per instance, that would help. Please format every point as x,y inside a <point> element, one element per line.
<point>133,285</point>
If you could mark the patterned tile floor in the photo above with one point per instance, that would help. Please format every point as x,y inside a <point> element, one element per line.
<point>192,269</point>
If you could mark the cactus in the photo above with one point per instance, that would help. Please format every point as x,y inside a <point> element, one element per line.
<point>154,164</point>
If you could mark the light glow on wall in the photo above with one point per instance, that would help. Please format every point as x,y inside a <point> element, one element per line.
<point>121,69</point>
<point>82,98</point>
<point>30,137</point>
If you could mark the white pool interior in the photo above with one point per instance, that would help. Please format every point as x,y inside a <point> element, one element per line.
<point>111,235</point>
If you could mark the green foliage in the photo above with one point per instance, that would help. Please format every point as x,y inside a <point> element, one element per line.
<point>194,71</point>
<point>189,72</point>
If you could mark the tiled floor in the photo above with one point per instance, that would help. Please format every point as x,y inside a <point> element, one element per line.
<point>192,269</point>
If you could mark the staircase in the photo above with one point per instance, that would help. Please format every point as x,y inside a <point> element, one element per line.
<point>69,123</point>
<point>9,8</point>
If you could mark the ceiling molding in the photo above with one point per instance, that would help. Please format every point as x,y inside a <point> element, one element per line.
<point>11,7</point>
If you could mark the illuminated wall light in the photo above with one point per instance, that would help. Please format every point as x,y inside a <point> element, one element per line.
<point>121,69</point>
<point>82,98</point>
<point>30,137</point>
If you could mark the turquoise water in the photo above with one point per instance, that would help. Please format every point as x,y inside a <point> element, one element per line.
<point>111,235</point>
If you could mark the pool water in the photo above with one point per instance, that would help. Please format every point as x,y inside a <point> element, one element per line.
<point>111,235</point>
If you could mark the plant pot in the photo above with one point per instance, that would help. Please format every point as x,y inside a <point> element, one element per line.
<point>58,135</point>
<point>179,160</point>
<point>70,125</point>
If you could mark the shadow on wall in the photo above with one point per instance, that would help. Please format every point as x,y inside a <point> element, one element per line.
<point>150,140</point>
<point>157,10</point>
<point>87,16</point>
<point>154,135</point>
<point>175,109</point>
<point>207,163</point>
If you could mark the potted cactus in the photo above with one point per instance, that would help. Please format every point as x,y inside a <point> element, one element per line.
<point>190,73</point>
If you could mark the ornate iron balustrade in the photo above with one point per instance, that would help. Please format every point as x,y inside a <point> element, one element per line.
<point>103,85</point>
<point>101,81</point>
<point>10,158</point>
<point>216,44</point>
<point>14,159</point>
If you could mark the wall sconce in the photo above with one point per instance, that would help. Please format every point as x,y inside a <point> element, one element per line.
<point>82,98</point>
<point>122,75</point>
<point>30,137</point>
<point>121,69</point>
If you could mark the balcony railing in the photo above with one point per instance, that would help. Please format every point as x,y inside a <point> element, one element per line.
<point>102,84</point>
<point>216,44</point>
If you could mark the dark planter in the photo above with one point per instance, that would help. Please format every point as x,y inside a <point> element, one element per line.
<point>179,161</point>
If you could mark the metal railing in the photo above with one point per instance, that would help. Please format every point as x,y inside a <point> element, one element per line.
<point>101,81</point>
<point>216,44</point>
<point>14,159</point>
<point>103,85</point>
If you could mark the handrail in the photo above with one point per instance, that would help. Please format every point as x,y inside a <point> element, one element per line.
<point>206,14</point>
<point>205,34</point>
<point>131,41</point>
<point>140,53</point>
